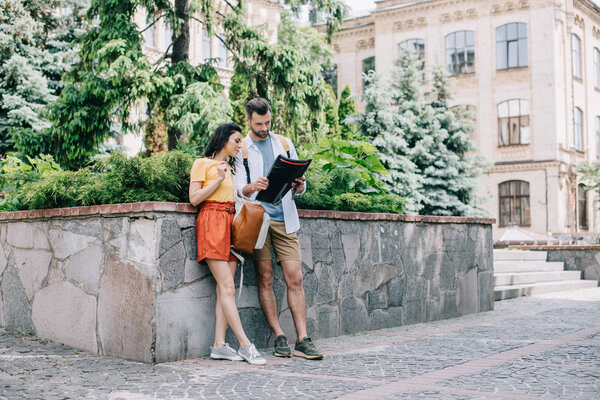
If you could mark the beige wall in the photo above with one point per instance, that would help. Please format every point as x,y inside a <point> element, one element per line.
<point>548,162</point>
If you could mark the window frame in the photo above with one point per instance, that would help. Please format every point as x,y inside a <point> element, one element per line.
<point>411,44</point>
<point>524,220</point>
<point>206,46</point>
<point>578,133</point>
<point>576,67</point>
<point>370,59</point>
<point>596,57</point>
<point>454,52</point>
<point>521,118</point>
<point>504,44</point>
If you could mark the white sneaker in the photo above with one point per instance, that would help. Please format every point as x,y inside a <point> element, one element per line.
<point>224,353</point>
<point>251,355</point>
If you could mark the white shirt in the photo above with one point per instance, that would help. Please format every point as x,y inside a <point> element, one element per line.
<point>255,164</point>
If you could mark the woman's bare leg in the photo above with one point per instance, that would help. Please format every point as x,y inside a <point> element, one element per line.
<point>221,271</point>
<point>220,321</point>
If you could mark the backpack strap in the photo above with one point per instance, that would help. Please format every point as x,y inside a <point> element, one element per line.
<point>245,160</point>
<point>285,143</point>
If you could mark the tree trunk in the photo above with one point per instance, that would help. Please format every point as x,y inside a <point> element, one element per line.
<point>181,39</point>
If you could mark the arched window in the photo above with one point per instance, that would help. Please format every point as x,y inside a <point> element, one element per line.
<point>460,52</point>
<point>576,55</point>
<point>578,128</point>
<point>514,203</point>
<point>596,68</point>
<point>513,122</point>
<point>206,46</point>
<point>511,45</point>
<point>416,45</point>
<point>582,206</point>
<point>368,64</point>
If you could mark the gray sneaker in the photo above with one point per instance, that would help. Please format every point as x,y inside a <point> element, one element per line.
<point>224,353</point>
<point>281,347</point>
<point>251,355</point>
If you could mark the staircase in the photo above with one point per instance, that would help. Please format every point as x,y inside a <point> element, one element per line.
<point>527,273</point>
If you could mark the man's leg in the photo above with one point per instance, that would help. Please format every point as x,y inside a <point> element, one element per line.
<point>266,295</point>
<point>292,273</point>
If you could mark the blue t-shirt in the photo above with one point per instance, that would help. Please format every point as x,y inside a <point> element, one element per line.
<point>266,149</point>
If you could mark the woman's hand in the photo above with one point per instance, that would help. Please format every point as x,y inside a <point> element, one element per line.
<point>221,169</point>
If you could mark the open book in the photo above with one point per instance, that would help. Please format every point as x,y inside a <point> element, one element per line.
<point>282,174</point>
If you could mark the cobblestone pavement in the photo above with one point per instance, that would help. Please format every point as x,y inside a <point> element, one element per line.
<point>528,348</point>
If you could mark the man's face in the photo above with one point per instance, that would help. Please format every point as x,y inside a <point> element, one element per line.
<point>260,125</point>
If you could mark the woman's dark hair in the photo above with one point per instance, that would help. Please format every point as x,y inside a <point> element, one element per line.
<point>219,139</point>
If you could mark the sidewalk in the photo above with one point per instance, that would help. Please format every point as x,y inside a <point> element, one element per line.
<point>528,348</point>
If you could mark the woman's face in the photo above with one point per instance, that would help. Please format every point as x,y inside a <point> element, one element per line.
<point>234,144</point>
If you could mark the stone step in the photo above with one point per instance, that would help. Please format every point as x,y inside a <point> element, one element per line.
<point>527,266</point>
<point>519,255</point>
<point>521,278</point>
<point>512,291</point>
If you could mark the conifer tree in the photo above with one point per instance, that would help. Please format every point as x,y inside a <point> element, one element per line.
<point>346,108</point>
<point>380,124</point>
<point>331,114</point>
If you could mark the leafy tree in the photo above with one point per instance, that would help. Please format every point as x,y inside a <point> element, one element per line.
<point>346,108</point>
<point>331,114</point>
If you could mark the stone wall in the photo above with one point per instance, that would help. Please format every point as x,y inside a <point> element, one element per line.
<point>122,280</point>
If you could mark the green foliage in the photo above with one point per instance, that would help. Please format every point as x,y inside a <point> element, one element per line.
<point>346,108</point>
<point>345,177</point>
<point>16,173</point>
<point>115,179</point>
<point>331,114</point>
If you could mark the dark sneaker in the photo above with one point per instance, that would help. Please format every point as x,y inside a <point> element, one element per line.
<point>282,347</point>
<point>307,349</point>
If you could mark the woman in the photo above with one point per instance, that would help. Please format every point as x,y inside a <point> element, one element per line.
<point>211,185</point>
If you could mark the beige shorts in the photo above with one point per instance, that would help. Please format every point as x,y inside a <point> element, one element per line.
<point>285,244</point>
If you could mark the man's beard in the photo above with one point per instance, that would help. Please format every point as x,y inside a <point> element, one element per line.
<point>261,134</point>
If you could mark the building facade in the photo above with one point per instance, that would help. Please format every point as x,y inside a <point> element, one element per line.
<point>530,71</point>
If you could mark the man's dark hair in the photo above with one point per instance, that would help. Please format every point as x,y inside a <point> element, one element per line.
<point>257,105</point>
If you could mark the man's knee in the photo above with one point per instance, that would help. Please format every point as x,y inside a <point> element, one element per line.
<point>293,274</point>
<point>264,270</point>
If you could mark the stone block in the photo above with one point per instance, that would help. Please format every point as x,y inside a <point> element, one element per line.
<point>256,328</point>
<point>414,289</point>
<point>125,312</point>
<point>86,227</point>
<point>64,313</point>
<point>3,260</point>
<point>185,321</point>
<point>381,319</point>
<point>40,239</point>
<point>326,286</point>
<point>468,293</point>
<point>371,277</point>
<point>449,305</point>
<point>447,274</point>
<point>33,267</point>
<point>306,250</point>
<point>248,298</point>
<point>351,245</point>
<point>20,234</point>
<point>310,285</point>
<point>190,244</point>
<point>337,265</point>
<point>172,266</point>
<point>321,249</point>
<point>194,271</point>
<point>2,320</point>
<point>170,234</point>
<point>286,321</point>
<point>65,243</point>
<point>353,315</point>
<point>17,310</point>
<point>328,321</point>
<point>396,291</point>
<point>414,311</point>
<point>346,286</point>
<point>432,310</point>
<point>486,290</point>
<point>377,299</point>
<point>84,268</point>
<point>141,243</point>
<point>311,327</point>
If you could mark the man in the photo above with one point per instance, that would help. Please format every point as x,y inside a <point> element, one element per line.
<point>262,148</point>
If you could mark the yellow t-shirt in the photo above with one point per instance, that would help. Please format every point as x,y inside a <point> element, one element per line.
<point>204,170</point>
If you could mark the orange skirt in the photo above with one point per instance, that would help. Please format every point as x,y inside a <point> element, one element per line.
<point>213,230</point>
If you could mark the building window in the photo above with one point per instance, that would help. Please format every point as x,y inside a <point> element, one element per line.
<point>206,48</point>
<point>511,45</point>
<point>582,206</point>
<point>149,36</point>
<point>514,203</point>
<point>597,119</point>
<point>330,76</point>
<point>460,52</point>
<point>368,65</point>
<point>513,122</point>
<point>576,55</point>
<point>222,50</point>
<point>578,128</point>
<point>596,68</point>
<point>416,45</point>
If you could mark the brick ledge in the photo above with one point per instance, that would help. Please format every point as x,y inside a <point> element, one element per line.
<point>149,206</point>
